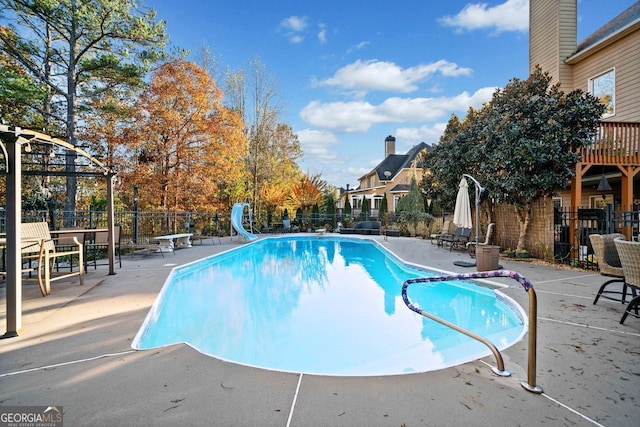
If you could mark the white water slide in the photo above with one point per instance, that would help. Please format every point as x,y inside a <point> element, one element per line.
<point>236,221</point>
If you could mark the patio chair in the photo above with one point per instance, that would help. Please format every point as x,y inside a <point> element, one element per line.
<point>435,237</point>
<point>487,240</point>
<point>460,243</point>
<point>629,253</point>
<point>101,243</point>
<point>38,246</point>
<point>459,237</point>
<point>609,265</point>
<point>67,242</point>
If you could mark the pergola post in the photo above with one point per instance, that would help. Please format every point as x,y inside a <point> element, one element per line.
<point>110,223</point>
<point>13,238</point>
<point>11,141</point>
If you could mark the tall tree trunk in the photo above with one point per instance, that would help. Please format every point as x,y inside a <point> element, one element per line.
<point>524,217</point>
<point>70,164</point>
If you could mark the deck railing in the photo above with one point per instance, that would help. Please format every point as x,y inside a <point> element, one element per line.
<point>614,143</point>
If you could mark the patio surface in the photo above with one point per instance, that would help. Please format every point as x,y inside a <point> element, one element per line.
<point>74,351</point>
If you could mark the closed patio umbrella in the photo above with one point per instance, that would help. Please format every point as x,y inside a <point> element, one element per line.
<point>462,211</point>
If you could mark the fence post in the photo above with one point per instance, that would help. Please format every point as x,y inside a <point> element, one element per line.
<point>135,213</point>
<point>610,219</point>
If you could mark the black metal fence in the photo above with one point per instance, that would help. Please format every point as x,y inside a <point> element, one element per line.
<point>136,226</point>
<point>588,221</point>
<point>140,226</point>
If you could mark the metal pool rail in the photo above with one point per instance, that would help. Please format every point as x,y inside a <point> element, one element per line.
<point>530,384</point>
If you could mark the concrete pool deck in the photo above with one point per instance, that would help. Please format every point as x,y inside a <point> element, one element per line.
<point>74,351</point>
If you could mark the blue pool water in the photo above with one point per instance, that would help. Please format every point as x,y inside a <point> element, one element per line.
<point>324,305</point>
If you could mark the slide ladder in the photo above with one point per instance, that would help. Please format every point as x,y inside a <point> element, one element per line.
<point>236,221</point>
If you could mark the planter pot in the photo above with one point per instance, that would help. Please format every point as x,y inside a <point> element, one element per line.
<point>522,254</point>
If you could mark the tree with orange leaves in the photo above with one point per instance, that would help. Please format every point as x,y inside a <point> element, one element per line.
<point>186,146</point>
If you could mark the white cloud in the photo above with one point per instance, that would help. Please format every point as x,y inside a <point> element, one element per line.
<point>322,33</point>
<point>359,171</point>
<point>294,23</point>
<point>429,134</point>
<point>318,146</point>
<point>387,76</point>
<point>293,27</point>
<point>359,46</point>
<point>512,15</point>
<point>359,116</point>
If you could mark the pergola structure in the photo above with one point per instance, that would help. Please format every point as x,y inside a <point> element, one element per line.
<point>13,140</point>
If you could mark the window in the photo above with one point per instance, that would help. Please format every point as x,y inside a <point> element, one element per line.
<point>600,201</point>
<point>396,199</point>
<point>603,87</point>
<point>377,200</point>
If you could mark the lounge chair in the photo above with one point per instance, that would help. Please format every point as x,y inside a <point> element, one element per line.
<point>629,253</point>
<point>609,265</point>
<point>144,247</point>
<point>471,246</point>
<point>199,237</point>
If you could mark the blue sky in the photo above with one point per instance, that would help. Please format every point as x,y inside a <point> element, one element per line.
<point>351,72</point>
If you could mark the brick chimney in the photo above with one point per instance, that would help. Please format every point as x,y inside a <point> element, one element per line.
<point>389,146</point>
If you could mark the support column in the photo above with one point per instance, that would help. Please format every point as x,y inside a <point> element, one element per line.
<point>576,197</point>
<point>626,191</point>
<point>110,223</point>
<point>14,236</point>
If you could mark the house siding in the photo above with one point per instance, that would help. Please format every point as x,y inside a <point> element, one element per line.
<point>552,38</point>
<point>624,55</point>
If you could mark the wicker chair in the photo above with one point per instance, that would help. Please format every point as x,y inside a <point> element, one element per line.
<point>610,266</point>
<point>629,253</point>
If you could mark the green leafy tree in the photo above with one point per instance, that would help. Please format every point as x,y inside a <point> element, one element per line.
<point>75,49</point>
<point>346,211</point>
<point>18,91</point>
<point>529,139</point>
<point>521,146</point>
<point>449,159</point>
<point>410,208</point>
<point>315,215</point>
<point>383,212</point>
<point>330,209</point>
<point>365,211</point>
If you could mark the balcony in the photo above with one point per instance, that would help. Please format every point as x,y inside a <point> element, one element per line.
<point>615,143</point>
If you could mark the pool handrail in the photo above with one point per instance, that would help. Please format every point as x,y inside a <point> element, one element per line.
<point>530,384</point>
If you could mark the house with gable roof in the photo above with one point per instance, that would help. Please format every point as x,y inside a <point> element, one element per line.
<point>391,178</point>
<point>607,65</point>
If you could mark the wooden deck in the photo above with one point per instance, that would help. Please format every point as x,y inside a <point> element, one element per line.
<point>615,144</point>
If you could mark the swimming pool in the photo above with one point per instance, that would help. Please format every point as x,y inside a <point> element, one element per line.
<point>324,305</point>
